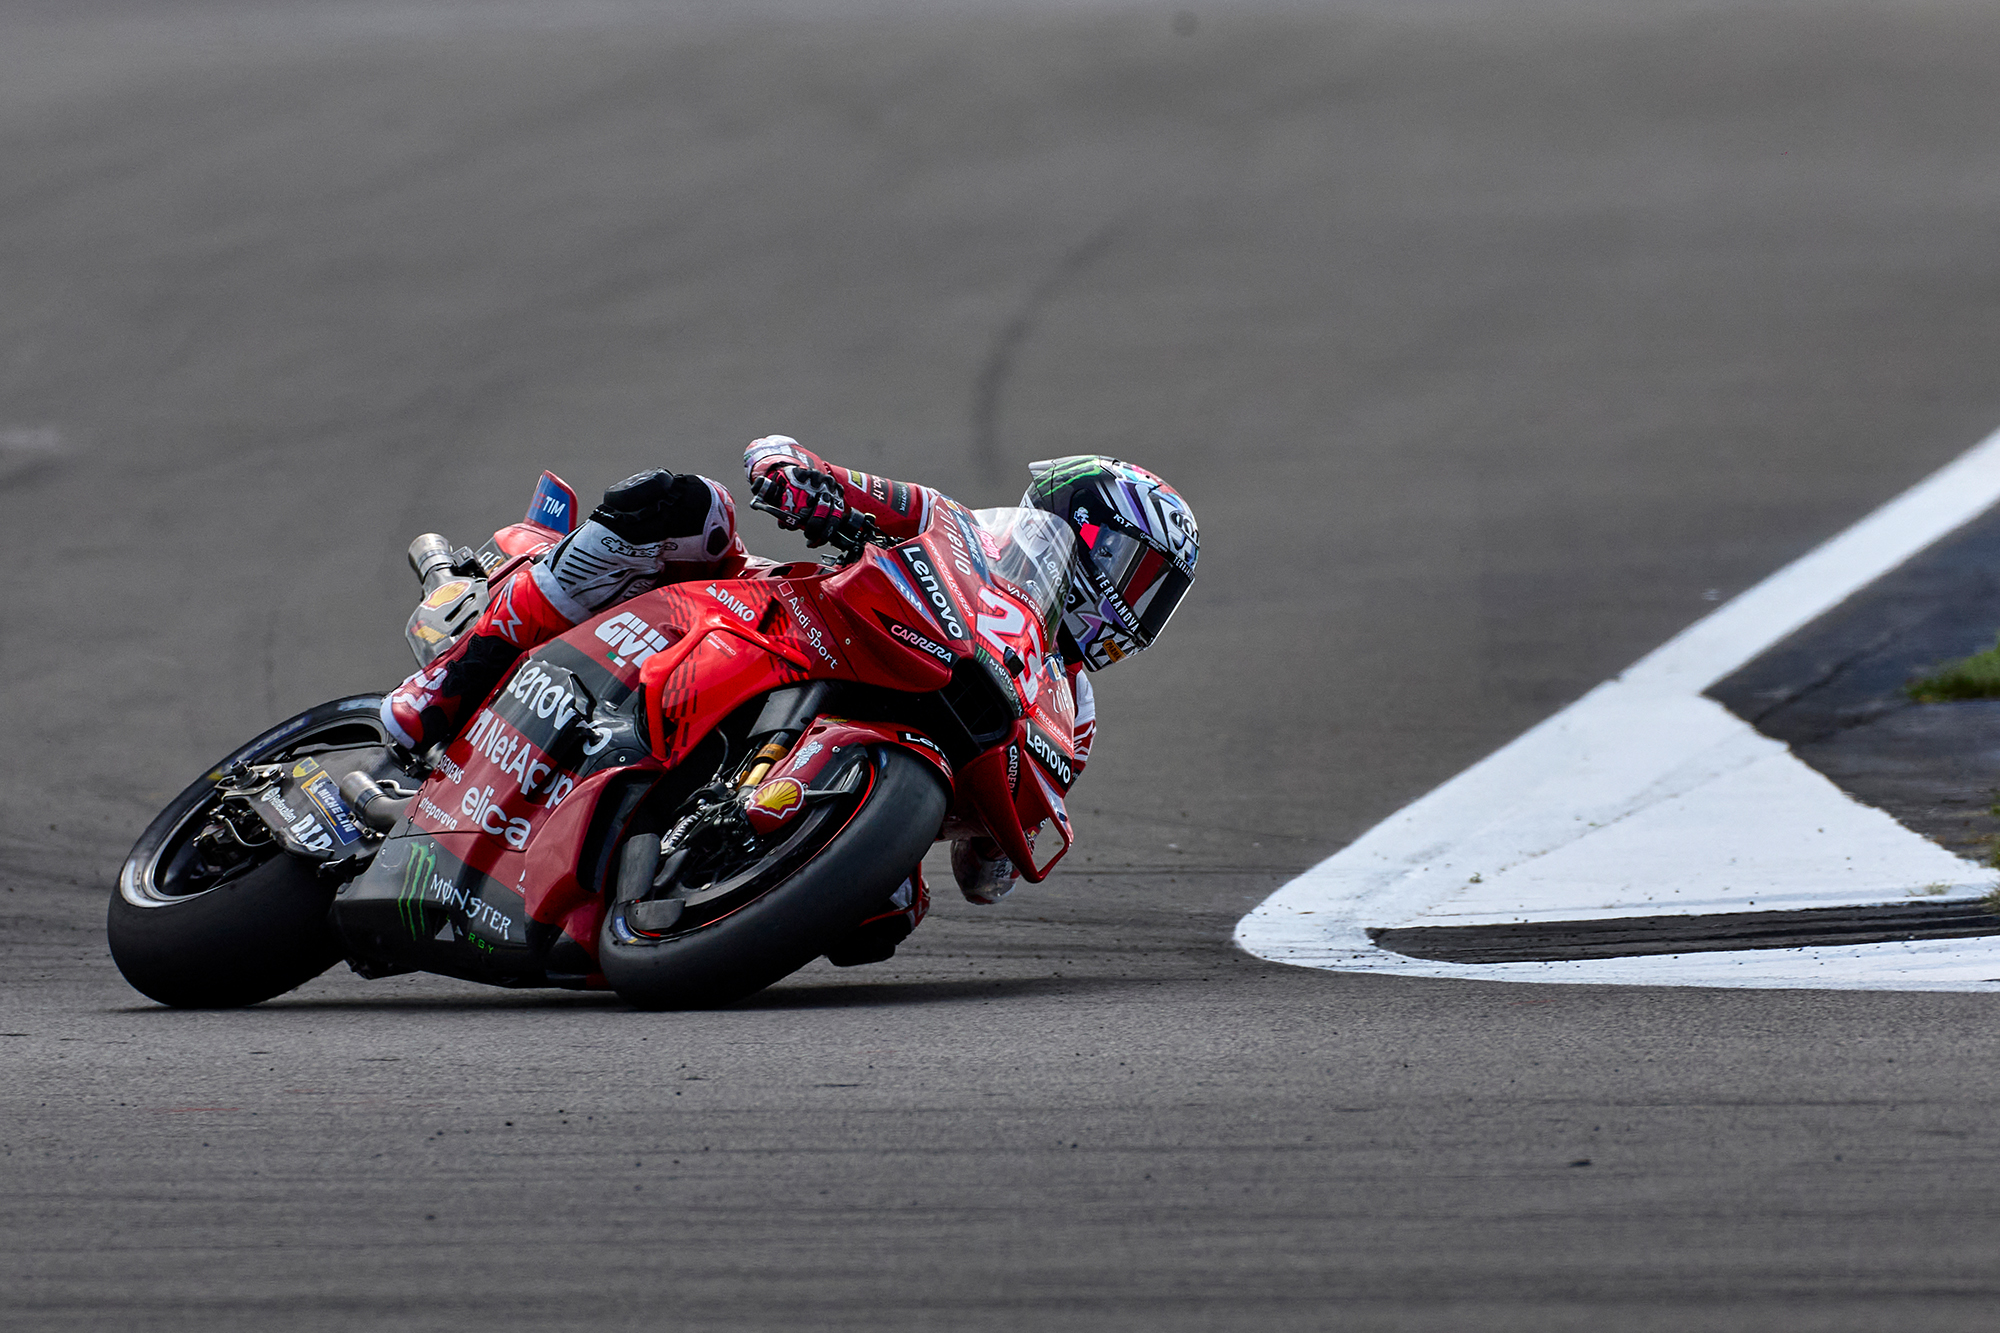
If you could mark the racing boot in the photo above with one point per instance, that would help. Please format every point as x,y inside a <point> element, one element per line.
<point>983,872</point>
<point>652,528</point>
<point>432,704</point>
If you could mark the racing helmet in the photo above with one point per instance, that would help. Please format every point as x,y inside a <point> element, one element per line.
<point>1135,553</point>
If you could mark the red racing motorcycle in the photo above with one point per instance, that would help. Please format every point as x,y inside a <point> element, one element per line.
<point>684,799</point>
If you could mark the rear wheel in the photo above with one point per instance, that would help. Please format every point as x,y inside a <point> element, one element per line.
<point>752,923</point>
<point>207,917</point>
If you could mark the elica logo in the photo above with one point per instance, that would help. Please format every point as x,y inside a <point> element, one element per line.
<point>1052,759</point>
<point>934,592</point>
<point>736,607</point>
<point>484,811</point>
<point>902,632</point>
<point>631,639</point>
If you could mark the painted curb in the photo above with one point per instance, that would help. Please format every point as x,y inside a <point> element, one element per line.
<point>1644,798</point>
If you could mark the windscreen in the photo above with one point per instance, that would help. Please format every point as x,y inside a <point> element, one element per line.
<point>1029,549</point>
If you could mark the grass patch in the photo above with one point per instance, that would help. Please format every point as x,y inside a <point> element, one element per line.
<point>1974,677</point>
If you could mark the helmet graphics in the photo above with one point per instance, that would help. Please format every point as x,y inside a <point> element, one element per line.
<point>1137,543</point>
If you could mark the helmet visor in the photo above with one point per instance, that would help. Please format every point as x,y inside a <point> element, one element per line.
<point>1148,583</point>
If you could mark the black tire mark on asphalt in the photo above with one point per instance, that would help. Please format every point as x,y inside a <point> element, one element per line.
<point>1633,936</point>
<point>997,369</point>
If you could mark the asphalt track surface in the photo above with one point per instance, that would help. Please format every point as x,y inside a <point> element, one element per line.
<point>1491,342</point>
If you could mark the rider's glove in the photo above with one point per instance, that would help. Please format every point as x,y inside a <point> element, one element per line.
<point>808,501</point>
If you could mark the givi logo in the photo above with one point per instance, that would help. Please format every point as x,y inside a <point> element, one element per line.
<point>631,639</point>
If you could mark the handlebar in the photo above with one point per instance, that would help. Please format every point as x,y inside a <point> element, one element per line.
<point>850,536</point>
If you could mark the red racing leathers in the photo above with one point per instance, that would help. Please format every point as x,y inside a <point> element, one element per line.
<point>780,466</point>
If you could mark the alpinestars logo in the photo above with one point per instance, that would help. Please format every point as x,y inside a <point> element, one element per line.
<point>934,592</point>
<point>631,639</point>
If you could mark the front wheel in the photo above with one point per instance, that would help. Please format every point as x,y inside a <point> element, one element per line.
<point>788,925</point>
<point>202,920</point>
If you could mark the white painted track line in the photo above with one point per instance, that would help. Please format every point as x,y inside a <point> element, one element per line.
<point>1826,576</point>
<point>1644,798</point>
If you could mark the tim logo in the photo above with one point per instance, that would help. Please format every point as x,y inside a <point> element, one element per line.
<point>631,639</point>
<point>554,505</point>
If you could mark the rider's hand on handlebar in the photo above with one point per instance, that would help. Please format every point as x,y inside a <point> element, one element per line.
<point>807,501</point>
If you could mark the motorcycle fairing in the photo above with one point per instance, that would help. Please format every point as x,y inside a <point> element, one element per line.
<point>496,832</point>
<point>1010,797</point>
<point>504,812</point>
<point>420,905</point>
<point>554,505</point>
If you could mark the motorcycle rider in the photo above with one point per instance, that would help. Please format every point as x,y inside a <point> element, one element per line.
<point>1137,546</point>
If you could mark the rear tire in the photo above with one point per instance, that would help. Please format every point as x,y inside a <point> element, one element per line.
<point>253,938</point>
<point>259,932</point>
<point>792,924</point>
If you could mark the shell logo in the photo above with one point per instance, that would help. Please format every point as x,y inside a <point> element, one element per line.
<point>777,798</point>
<point>447,593</point>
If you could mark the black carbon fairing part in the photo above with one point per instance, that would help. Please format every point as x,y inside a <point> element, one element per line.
<point>418,906</point>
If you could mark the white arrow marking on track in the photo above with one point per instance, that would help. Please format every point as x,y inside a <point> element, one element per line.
<point>1645,799</point>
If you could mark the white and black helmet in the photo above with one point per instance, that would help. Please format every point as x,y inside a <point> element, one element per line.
<point>1136,548</point>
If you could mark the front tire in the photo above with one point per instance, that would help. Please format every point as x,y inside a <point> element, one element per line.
<point>198,941</point>
<point>791,924</point>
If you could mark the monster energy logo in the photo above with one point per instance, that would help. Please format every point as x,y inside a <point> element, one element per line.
<point>1060,472</point>
<point>416,880</point>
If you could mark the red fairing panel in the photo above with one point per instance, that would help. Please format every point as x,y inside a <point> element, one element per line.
<point>782,794</point>
<point>529,539</point>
